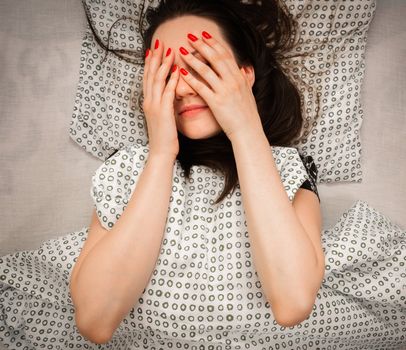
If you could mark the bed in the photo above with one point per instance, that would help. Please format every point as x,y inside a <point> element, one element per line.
<point>46,175</point>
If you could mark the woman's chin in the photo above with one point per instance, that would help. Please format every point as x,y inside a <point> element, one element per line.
<point>201,128</point>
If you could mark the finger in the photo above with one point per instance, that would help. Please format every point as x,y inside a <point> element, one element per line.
<point>146,65</point>
<point>216,54</point>
<point>225,57</point>
<point>154,64</point>
<point>202,69</point>
<point>169,92</point>
<point>162,75</point>
<point>224,52</point>
<point>202,89</point>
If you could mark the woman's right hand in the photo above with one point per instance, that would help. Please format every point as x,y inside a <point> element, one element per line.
<point>158,102</point>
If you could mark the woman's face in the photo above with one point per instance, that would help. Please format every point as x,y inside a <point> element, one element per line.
<point>173,34</point>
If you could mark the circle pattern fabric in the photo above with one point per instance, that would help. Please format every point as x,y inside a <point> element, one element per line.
<point>204,292</point>
<point>115,180</point>
<point>333,35</point>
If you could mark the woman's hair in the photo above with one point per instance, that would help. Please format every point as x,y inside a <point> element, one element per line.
<point>259,33</point>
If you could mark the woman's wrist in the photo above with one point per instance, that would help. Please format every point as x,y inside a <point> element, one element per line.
<point>161,157</point>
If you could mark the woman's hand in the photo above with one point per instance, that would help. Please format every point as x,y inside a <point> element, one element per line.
<point>228,91</point>
<point>158,101</point>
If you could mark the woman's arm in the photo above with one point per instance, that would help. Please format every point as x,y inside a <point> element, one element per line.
<point>288,264</point>
<point>117,269</point>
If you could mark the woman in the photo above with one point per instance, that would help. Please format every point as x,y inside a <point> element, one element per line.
<point>204,72</point>
<point>171,271</point>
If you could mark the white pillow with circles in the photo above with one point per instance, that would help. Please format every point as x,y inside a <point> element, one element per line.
<point>106,115</point>
<point>114,181</point>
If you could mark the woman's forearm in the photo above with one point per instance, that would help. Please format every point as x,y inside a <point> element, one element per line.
<point>116,271</point>
<point>283,253</point>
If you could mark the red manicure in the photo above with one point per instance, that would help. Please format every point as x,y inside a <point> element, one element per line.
<point>191,37</point>
<point>183,50</point>
<point>147,52</point>
<point>174,68</point>
<point>184,71</point>
<point>156,43</point>
<point>206,35</point>
<point>168,52</point>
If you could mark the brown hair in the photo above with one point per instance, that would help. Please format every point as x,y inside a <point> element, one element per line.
<point>259,33</point>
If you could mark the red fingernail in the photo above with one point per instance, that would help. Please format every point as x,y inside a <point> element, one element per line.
<point>183,50</point>
<point>191,37</point>
<point>147,52</point>
<point>174,67</point>
<point>168,52</point>
<point>156,43</point>
<point>206,35</point>
<point>184,71</point>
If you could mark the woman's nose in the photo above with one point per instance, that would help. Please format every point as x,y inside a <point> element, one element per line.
<point>183,88</point>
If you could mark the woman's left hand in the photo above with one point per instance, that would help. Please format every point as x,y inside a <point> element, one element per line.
<point>228,91</point>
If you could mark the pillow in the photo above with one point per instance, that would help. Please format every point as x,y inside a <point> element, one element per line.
<point>332,35</point>
<point>363,249</point>
<point>114,181</point>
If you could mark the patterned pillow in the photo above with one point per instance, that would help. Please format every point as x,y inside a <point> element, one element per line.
<point>333,35</point>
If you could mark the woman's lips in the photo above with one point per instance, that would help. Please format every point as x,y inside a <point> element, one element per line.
<point>193,112</point>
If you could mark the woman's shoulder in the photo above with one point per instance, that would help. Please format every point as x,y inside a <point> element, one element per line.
<point>121,165</point>
<point>284,155</point>
<point>296,170</point>
<point>114,181</point>
<point>311,168</point>
<point>129,150</point>
<point>310,165</point>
